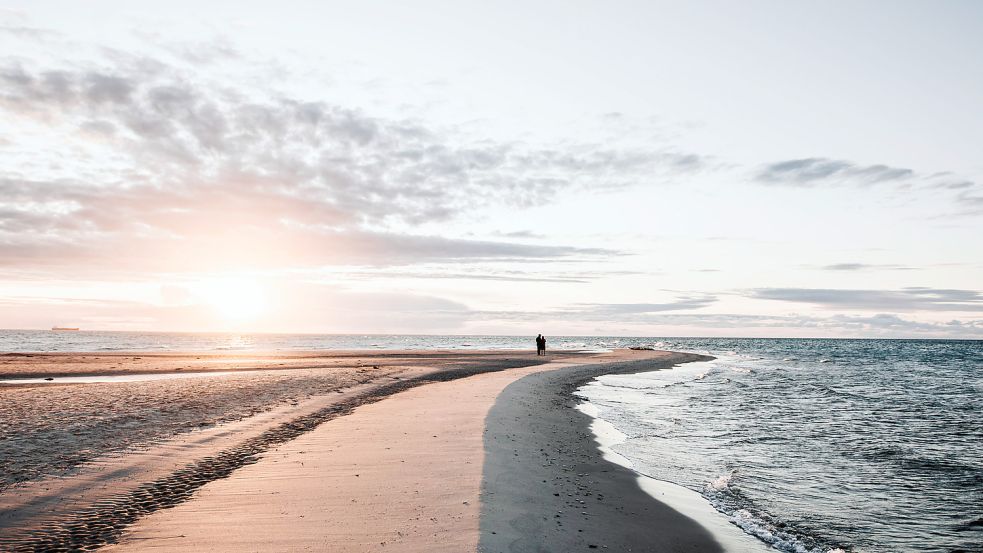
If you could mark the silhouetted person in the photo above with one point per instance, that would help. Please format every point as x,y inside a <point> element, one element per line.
<point>540,345</point>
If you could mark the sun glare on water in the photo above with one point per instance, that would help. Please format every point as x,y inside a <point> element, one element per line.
<point>235,299</point>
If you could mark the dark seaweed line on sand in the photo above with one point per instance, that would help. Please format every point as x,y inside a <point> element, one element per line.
<point>105,522</point>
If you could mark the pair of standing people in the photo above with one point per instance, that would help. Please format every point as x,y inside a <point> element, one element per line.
<point>540,345</point>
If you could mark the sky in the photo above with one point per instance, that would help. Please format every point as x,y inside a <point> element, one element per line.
<point>595,168</point>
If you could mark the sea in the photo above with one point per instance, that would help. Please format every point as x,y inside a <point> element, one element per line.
<point>810,445</point>
<point>25,341</point>
<point>816,445</point>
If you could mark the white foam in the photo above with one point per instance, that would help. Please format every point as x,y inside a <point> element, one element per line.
<point>740,532</point>
<point>721,483</point>
<point>679,498</point>
<point>696,507</point>
<point>606,435</point>
<point>777,539</point>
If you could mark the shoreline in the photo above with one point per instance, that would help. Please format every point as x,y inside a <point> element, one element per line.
<point>548,487</point>
<point>676,496</point>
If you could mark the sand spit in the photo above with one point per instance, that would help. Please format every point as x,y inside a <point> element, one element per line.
<point>85,524</point>
<point>402,474</point>
<point>49,429</point>
<point>440,460</point>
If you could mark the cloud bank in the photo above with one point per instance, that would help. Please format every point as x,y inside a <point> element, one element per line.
<point>906,299</point>
<point>143,156</point>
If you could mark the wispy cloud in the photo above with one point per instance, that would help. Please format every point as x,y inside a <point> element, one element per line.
<point>905,299</point>
<point>970,204</point>
<point>301,307</point>
<point>164,159</point>
<point>488,272</point>
<point>520,234</point>
<point>27,32</point>
<point>615,310</point>
<point>818,170</point>
<point>260,247</point>
<point>825,172</point>
<point>737,324</point>
<point>866,267</point>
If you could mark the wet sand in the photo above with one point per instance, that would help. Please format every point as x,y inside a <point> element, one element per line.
<point>469,461</point>
<point>546,487</point>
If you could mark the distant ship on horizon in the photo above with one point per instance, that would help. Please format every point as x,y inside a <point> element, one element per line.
<point>64,328</point>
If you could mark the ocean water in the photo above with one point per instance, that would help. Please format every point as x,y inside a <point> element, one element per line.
<point>20,341</point>
<point>816,445</point>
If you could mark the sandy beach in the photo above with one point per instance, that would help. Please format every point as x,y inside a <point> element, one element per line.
<point>410,451</point>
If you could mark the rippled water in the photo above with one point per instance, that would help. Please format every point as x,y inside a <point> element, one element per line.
<point>812,445</point>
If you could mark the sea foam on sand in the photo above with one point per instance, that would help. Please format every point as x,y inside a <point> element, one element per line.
<point>682,499</point>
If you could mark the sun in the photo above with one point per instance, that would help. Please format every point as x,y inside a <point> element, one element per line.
<point>235,299</point>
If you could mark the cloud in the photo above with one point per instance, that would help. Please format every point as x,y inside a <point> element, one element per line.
<point>888,322</point>
<point>820,171</point>
<point>970,204</point>
<point>884,325</point>
<point>954,185</point>
<point>312,307</point>
<point>487,275</point>
<point>603,310</point>
<point>865,267</point>
<point>257,247</point>
<point>846,267</point>
<point>611,312</point>
<point>200,53</point>
<point>26,32</point>
<point>164,159</point>
<point>520,234</point>
<point>881,324</point>
<point>817,170</point>
<point>906,299</point>
<point>299,307</point>
<point>200,135</point>
<point>566,275</point>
